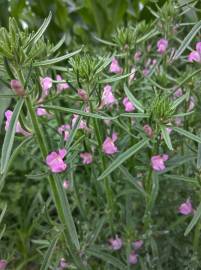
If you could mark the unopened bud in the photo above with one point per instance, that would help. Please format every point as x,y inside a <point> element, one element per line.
<point>83,94</point>
<point>17,87</point>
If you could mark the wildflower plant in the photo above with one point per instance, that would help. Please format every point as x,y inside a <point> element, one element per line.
<point>105,141</point>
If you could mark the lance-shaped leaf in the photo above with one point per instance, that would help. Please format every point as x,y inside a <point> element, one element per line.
<point>115,78</point>
<point>49,253</point>
<point>187,40</point>
<point>79,112</point>
<point>123,157</point>
<point>187,134</point>
<point>166,137</point>
<point>10,135</point>
<point>40,31</point>
<point>194,221</point>
<point>178,101</point>
<point>130,96</point>
<point>55,60</point>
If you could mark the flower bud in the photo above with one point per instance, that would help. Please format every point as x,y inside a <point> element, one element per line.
<point>17,87</point>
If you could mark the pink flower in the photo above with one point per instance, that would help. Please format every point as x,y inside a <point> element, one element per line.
<point>63,264</point>
<point>178,121</point>
<point>42,112</point>
<point>137,56</point>
<point>186,208</point>
<point>157,162</point>
<point>178,93</point>
<point>17,87</point>
<point>46,84</point>
<point>162,45</point>
<point>148,130</point>
<point>83,124</point>
<point>115,67</point>
<point>195,56</point>
<point>132,259</point>
<point>138,244</point>
<point>19,129</point>
<point>61,86</point>
<point>145,71</point>
<point>65,130</point>
<point>3,264</point>
<point>55,161</point>
<point>116,243</point>
<point>108,146</point>
<point>108,97</point>
<point>66,184</point>
<point>86,158</point>
<point>129,106</point>
<point>82,94</point>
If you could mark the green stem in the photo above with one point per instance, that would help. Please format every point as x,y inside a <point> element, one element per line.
<point>54,184</point>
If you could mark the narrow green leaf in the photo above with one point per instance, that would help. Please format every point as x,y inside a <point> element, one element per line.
<point>9,137</point>
<point>199,157</point>
<point>115,78</point>
<point>66,212</point>
<point>104,41</point>
<point>155,190</point>
<point>136,115</point>
<point>187,40</point>
<point>166,137</point>
<point>58,45</point>
<point>79,112</point>
<point>2,232</point>
<point>123,157</point>
<point>130,96</point>
<point>181,178</point>
<point>106,257</point>
<point>3,212</point>
<point>187,134</point>
<point>178,101</point>
<point>55,60</point>
<point>40,31</point>
<point>49,253</point>
<point>194,221</point>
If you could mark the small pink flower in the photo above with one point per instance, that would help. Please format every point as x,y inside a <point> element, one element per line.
<point>157,162</point>
<point>61,86</point>
<point>63,264</point>
<point>108,97</point>
<point>55,161</point>
<point>178,121</point>
<point>83,124</point>
<point>116,243</point>
<point>186,208</point>
<point>194,56</point>
<point>65,130</point>
<point>148,130</point>
<point>145,71</point>
<point>19,129</point>
<point>46,84</point>
<point>178,93</point>
<point>86,158</point>
<point>132,259</point>
<point>66,184</point>
<point>108,146</point>
<point>3,264</point>
<point>115,67</point>
<point>82,94</point>
<point>42,112</point>
<point>129,106</point>
<point>17,87</point>
<point>154,62</point>
<point>138,244</point>
<point>162,45</point>
<point>137,56</point>
<point>198,47</point>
